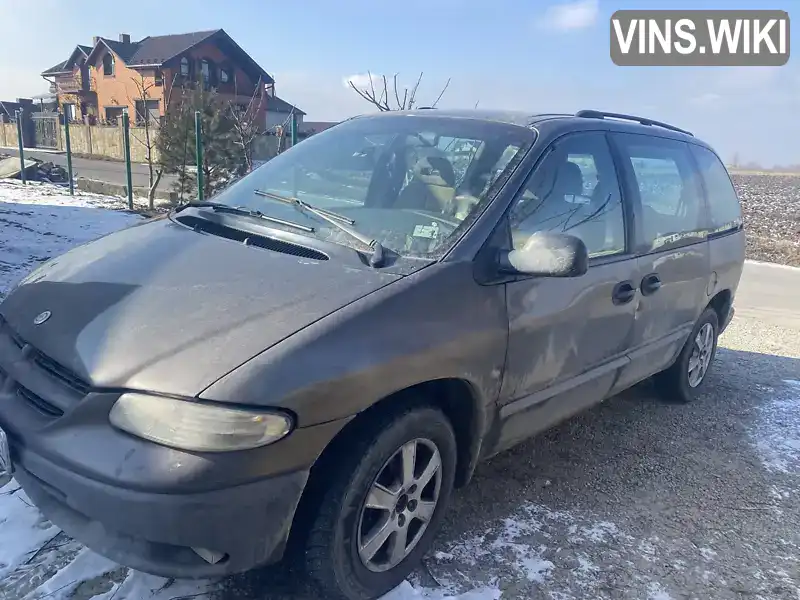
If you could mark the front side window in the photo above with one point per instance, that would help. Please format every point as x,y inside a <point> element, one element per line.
<point>672,208</point>
<point>573,190</point>
<point>725,213</point>
<point>409,182</point>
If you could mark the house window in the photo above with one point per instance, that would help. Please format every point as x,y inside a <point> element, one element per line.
<point>113,113</point>
<point>108,64</point>
<point>224,76</point>
<point>185,67</point>
<point>205,71</point>
<point>149,109</point>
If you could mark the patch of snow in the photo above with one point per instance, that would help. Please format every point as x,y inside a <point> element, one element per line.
<point>776,432</point>
<point>656,592</point>
<point>407,591</point>
<point>40,221</point>
<point>85,566</point>
<point>707,553</point>
<point>23,529</point>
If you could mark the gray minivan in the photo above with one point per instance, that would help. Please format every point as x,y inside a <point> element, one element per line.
<point>309,364</point>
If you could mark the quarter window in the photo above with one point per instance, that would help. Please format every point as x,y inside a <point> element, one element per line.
<point>672,209</point>
<point>725,213</point>
<point>574,190</point>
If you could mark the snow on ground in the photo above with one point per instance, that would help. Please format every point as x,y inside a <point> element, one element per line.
<point>776,434</point>
<point>40,221</point>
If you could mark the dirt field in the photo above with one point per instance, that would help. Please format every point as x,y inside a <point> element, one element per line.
<point>771,206</point>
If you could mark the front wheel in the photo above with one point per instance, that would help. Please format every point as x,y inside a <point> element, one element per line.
<point>383,506</point>
<point>684,379</point>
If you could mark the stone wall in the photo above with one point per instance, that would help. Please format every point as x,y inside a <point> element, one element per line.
<point>106,141</point>
<point>8,135</point>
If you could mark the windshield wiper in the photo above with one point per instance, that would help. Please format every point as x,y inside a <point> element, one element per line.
<point>377,257</point>
<point>310,207</point>
<point>240,210</point>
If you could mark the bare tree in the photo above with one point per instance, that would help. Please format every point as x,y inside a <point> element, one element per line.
<point>246,125</point>
<point>386,97</point>
<point>151,126</point>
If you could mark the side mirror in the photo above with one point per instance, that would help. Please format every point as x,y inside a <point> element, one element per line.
<point>547,254</point>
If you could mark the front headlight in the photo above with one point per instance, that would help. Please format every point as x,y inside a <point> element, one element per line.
<point>197,427</point>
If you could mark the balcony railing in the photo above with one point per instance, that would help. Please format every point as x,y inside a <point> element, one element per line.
<point>74,84</point>
<point>70,85</point>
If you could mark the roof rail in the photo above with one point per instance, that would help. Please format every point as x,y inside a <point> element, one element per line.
<point>598,114</point>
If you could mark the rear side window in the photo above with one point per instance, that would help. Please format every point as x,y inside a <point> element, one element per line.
<point>672,208</point>
<point>725,213</point>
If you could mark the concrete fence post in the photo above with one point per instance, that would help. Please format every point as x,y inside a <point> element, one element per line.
<point>126,139</point>
<point>69,155</point>
<point>21,148</point>
<point>88,125</point>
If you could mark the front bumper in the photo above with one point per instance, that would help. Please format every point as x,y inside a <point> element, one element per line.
<point>136,502</point>
<point>154,532</point>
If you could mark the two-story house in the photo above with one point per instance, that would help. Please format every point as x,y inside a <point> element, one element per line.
<point>102,80</point>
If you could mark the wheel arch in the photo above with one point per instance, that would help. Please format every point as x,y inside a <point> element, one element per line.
<point>458,399</point>
<point>722,303</point>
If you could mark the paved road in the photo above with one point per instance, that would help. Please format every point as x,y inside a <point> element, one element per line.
<point>100,170</point>
<point>770,293</point>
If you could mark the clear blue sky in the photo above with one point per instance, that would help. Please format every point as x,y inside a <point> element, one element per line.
<point>516,54</point>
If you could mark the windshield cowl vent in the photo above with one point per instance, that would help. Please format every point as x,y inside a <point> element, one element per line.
<point>251,239</point>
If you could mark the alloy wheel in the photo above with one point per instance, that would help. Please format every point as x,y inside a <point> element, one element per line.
<point>700,358</point>
<point>399,505</point>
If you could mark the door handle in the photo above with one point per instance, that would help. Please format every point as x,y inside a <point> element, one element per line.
<point>650,284</point>
<point>623,292</point>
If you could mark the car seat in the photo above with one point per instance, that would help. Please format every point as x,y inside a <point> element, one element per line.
<point>432,184</point>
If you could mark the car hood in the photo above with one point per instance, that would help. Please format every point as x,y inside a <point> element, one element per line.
<point>161,307</point>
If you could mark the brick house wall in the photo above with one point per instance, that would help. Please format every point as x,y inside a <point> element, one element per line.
<point>120,89</point>
<point>90,92</point>
<point>239,88</point>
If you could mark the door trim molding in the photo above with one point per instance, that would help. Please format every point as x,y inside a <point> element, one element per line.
<point>549,392</point>
<point>643,350</point>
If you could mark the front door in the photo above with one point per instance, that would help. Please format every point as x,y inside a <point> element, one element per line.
<point>568,337</point>
<point>671,241</point>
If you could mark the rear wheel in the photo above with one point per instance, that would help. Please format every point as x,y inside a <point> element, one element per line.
<point>383,506</point>
<point>684,380</point>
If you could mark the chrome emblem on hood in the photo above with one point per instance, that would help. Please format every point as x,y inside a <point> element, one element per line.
<point>42,317</point>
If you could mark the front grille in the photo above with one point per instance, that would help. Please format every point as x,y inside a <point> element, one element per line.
<point>64,375</point>
<point>39,403</point>
<point>16,340</point>
<point>46,385</point>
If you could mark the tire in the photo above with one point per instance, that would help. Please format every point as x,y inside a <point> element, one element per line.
<point>343,522</point>
<point>676,383</point>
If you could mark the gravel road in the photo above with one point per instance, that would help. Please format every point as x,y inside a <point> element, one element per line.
<point>640,498</point>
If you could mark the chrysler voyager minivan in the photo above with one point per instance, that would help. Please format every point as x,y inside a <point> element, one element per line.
<point>313,360</point>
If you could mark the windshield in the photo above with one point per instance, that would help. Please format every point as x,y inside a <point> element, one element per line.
<point>409,182</point>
